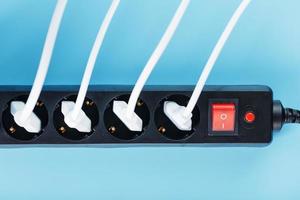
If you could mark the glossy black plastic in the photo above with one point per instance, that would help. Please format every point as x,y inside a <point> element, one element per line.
<point>257,98</point>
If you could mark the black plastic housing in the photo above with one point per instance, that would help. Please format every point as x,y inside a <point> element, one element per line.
<point>255,98</point>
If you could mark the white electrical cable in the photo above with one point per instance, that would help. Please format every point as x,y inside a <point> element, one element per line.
<point>28,108</point>
<point>214,56</point>
<point>92,58</point>
<point>155,57</point>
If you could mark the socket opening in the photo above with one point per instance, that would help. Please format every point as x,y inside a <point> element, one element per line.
<point>117,128</point>
<point>17,132</point>
<point>90,109</point>
<point>165,126</point>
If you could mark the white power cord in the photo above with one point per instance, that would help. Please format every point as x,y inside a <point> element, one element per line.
<point>75,117</point>
<point>125,111</point>
<point>181,116</point>
<point>23,113</point>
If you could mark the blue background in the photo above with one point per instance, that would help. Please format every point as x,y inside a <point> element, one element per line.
<point>263,49</point>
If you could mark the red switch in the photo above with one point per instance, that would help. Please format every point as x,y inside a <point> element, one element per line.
<point>223,117</point>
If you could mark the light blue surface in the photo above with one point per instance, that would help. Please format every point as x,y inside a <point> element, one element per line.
<point>264,49</point>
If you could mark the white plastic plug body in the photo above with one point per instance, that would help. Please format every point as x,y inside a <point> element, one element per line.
<point>82,122</point>
<point>133,122</point>
<point>32,124</point>
<point>176,114</point>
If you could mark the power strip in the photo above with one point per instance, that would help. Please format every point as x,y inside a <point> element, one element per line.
<point>224,114</point>
<point>236,114</point>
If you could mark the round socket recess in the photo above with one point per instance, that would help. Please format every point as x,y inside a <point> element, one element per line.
<point>90,109</point>
<point>17,132</point>
<point>117,128</point>
<point>166,127</point>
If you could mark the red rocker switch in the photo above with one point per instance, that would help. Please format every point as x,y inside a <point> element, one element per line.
<point>223,117</point>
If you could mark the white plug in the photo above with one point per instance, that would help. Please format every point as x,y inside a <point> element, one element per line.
<point>31,124</point>
<point>177,115</point>
<point>82,122</point>
<point>23,113</point>
<point>133,122</point>
<point>74,116</point>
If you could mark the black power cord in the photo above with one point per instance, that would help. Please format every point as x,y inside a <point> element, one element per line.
<point>283,115</point>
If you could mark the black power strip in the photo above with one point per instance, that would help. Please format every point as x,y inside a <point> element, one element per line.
<point>224,114</point>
